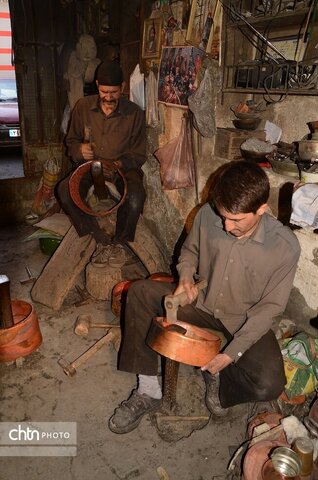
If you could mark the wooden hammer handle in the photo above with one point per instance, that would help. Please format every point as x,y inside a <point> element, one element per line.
<point>173,301</point>
<point>93,349</point>
<point>6,316</point>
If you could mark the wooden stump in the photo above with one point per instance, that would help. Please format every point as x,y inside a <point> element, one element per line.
<point>101,280</point>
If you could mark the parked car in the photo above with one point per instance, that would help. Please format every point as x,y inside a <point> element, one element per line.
<point>9,114</point>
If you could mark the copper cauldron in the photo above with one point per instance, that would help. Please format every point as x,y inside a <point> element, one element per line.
<point>183,342</point>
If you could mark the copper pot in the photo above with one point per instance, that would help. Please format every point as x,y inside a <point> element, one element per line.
<point>24,336</point>
<point>120,290</point>
<point>183,342</point>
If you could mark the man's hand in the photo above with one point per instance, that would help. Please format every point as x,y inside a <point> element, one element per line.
<point>189,288</point>
<point>218,363</point>
<point>87,151</point>
<point>109,168</point>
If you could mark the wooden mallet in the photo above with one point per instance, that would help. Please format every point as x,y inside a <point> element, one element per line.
<point>84,323</point>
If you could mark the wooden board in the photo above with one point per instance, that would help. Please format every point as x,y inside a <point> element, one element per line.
<point>62,270</point>
<point>149,250</point>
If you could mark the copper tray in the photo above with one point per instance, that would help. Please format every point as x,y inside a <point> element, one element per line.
<point>183,342</point>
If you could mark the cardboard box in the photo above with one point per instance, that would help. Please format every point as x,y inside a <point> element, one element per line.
<point>229,140</point>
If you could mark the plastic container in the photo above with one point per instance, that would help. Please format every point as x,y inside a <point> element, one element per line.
<point>49,245</point>
<point>304,447</point>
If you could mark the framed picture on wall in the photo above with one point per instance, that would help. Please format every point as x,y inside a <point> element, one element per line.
<point>178,72</point>
<point>151,43</point>
<point>200,27</point>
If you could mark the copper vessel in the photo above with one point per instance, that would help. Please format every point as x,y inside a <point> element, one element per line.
<point>256,457</point>
<point>24,336</point>
<point>272,419</point>
<point>183,342</point>
<point>74,186</point>
<point>119,294</point>
<point>120,290</point>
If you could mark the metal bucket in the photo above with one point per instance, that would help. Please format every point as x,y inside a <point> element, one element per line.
<point>286,462</point>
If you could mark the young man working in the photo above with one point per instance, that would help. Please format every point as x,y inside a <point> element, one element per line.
<point>107,127</point>
<point>249,260</point>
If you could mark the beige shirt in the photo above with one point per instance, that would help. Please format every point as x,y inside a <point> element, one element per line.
<point>249,279</point>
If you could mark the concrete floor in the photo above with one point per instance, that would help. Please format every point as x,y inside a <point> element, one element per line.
<point>39,391</point>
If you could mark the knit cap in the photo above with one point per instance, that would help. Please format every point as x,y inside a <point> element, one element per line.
<point>110,74</point>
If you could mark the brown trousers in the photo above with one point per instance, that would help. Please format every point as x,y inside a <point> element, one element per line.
<point>257,376</point>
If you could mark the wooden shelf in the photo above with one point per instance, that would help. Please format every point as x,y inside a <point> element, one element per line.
<point>271,91</point>
<point>281,80</point>
<point>282,20</point>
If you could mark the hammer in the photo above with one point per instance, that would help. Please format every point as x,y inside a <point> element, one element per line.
<point>84,323</point>
<point>71,368</point>
<point>30,278</point>
<point>172,302</point>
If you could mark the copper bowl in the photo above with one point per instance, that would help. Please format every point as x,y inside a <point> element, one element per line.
<point>247,123</point>
<point>183,342</point>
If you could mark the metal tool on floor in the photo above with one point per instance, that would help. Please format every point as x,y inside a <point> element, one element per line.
<point>84,323</point>
<point>30,279</point>
<point>20,333</point>
<point>85,296</point>
<point>70,368</point>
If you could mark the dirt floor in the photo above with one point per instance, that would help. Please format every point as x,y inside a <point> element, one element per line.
<point>37,390</point>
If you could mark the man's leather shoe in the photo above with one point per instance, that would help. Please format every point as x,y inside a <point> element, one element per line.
<point>129,413</point>
<point>212,399</point>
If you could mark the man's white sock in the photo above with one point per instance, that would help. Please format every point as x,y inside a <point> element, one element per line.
<point>149,385</point>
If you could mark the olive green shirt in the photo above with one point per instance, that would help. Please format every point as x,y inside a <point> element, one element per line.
<point>249,279</point>
<point>119,136</point>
